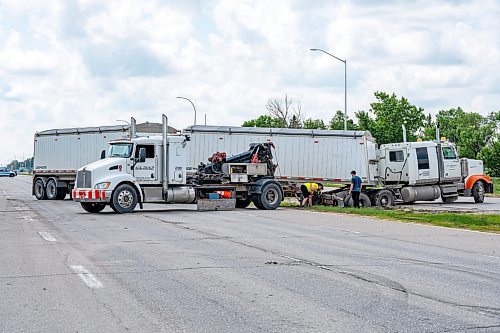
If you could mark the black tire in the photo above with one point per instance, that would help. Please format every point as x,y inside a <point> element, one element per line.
<point>124,199</point>
<point>12,174</point>
<point>93,207</point>
<point>364,201</point>
<point>61,193</point>
<point>478,192</point>
<point>39,190</point>
<point>383,198</point>
<point>51,190</point>
<point>242,203</point>
<point>342,194</point>
<point>113,206</point>
<point>256,201</point>
<point>271,197</point>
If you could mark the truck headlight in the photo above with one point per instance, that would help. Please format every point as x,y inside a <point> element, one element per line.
<point>102,186</point>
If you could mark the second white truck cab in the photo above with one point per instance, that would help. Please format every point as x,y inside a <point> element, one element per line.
<point>428,170</point>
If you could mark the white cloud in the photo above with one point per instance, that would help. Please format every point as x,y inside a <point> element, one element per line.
<point>89,62</point>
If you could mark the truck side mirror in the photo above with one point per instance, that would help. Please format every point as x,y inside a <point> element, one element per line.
<point>142,155</point>
<point>103,154</point>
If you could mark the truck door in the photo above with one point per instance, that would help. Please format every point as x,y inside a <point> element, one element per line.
<point>146,172</point>
<point>397,160</point>
<point>427,165</point>
<point>451,164</point>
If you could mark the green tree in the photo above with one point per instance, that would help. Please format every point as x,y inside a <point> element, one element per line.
<point>490,155</point>
<point>470,131</point>
<point>314,124</point>
<point>264,121</point>
<point>389,114</point>
<point>337,122</point>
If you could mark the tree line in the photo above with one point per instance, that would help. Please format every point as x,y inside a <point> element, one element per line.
<point>26,165</point>
<point>476,136</point>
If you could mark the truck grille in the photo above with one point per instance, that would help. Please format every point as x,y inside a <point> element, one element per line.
<point>84,179</point>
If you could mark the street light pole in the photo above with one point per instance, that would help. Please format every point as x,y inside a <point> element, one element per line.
<point>126,122</point>
<point>194,108</point>
<point>345,83</point>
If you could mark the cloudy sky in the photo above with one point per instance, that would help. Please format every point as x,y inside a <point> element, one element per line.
<point>90,62</point>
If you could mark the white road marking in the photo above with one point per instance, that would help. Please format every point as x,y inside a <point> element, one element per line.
<point>355,232</point>
<point>19,208</point>
<point>345,230</point>
<point>485,255</point>
<point>27,218</point>
<point>292,258</point>
<point>88,278</point>
<point>4,193</point>
<point>47,236</point>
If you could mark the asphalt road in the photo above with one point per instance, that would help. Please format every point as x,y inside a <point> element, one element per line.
<point>173,269</point>
<point>491,205</point>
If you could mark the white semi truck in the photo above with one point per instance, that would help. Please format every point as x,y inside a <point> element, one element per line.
<point>58,153</point>
<point>153,169</point>
<point>156,169</point>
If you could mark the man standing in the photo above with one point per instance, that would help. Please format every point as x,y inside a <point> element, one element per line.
<point>355,189</point>
<point>308,191</point>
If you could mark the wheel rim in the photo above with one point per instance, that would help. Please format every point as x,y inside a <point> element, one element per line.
<point>125,199</point>
<point>51,190</point>
<point>384,200</point>
<point>38,189</point>
<point>272,196</point>
<point>480,191</point>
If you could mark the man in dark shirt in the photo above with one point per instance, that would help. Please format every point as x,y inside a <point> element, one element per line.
<point>355,189</point>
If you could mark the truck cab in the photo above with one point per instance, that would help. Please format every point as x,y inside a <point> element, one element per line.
<point>432,163</point>
<point>136,164</point>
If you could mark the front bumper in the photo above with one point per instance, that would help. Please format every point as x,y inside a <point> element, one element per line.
<point>91,195</point>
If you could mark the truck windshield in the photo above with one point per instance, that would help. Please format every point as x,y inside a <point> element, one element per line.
<point>120,150</point>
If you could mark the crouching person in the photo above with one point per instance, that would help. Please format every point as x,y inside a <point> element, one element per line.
<point>308,191</point>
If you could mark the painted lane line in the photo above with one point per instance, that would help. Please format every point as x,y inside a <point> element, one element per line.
<point>4,192</point>
<point>19,208</point>
<point>88,278</point>
<point>356,232</point>
<point>485,255</point>
<point>47,236</point>
<point>345,230</point>
<point>27,218</point>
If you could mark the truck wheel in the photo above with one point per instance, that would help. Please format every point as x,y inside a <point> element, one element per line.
<point>364,200</point>
<point>478,192</point>
<point>61,193</point>
<point>271,197</point>
<point>256,201</point>
<point>383,198</point>
<point>242,203</point>
<point>51,190</point>
<point>93,207</point>
<point>12,174</point>
<point>39,190</point>
<point>124,199</point>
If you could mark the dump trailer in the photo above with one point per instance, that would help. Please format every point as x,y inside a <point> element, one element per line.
<point>405,172</point>
<point>153,169</point>
<point>301,154</point>
<point>58,153</point>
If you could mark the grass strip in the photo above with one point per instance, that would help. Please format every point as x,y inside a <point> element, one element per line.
<point>470,221</point>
